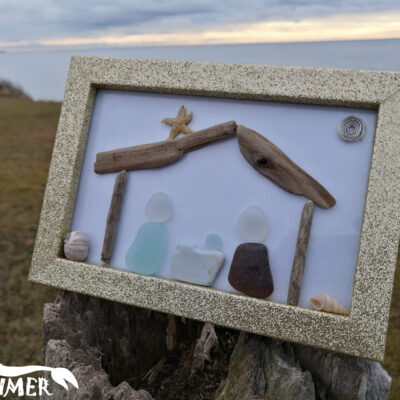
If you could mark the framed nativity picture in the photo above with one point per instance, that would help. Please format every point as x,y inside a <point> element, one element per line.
<point>260,198</point>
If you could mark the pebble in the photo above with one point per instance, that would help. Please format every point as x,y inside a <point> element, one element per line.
<point>194,265</point>
<point>158,208</point>
<point>148,250</point>
<point>252,225</point>
<point>250,272</point>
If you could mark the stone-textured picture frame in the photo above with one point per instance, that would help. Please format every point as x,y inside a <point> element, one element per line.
<point>363,332</point>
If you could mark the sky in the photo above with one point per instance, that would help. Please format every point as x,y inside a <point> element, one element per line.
<point>50,24</point>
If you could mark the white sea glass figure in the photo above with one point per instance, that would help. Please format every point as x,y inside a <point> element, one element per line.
<point>158,208</point>
<point>252,225</point>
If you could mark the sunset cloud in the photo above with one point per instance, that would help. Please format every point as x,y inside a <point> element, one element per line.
<point>48,24</point>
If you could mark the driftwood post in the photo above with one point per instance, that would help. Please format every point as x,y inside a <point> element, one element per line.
<point>299,260</point>
<point>120,352</point>
<point>113,217</point>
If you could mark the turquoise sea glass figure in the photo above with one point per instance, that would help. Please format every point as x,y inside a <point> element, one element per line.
<point>213,242</point>
<point>147,253</point>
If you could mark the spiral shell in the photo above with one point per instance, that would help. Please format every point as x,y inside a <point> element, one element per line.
<point>76,246</point>
<point>324,302</point>
<point>351,129</point>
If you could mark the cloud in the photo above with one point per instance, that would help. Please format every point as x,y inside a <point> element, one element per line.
<point>41,22</point>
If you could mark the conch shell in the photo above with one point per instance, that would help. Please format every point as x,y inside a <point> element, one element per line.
<point>76,246</point>
<point>324,302</point>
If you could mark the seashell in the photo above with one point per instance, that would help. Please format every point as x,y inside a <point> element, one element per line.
<point>324,302</point>
<point>76,246</point>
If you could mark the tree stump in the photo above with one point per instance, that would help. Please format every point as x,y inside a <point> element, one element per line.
<point>120,352</point>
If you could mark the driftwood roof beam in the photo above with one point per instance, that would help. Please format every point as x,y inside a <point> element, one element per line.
<point>158,154</point>
<point>274,164</point>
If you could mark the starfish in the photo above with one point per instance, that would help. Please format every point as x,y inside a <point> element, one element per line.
<point>179,123</point>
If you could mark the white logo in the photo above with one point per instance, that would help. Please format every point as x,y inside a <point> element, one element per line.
<point>32,386</point>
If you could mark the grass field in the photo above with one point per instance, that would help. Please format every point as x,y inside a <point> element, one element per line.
<point>27,131</point>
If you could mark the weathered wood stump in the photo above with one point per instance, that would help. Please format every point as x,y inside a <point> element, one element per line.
<point>121,352</point>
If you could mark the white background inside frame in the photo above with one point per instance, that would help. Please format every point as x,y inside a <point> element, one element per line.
<point>210,187</point>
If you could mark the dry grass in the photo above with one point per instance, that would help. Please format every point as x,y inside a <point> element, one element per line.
<point>27,131</point>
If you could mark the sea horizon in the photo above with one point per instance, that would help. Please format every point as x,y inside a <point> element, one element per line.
<point>42,74</point>
<point>51,49</point>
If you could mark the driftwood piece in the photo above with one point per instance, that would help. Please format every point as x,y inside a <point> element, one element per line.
<point>275,165</point>
<point>171,332</point>
<point>94,382</point>
<point>113,217</point>
<point>338,376</point>
<point>299,260</point>
<point>112,349</point>
<point>158,154</point>
<point>123,342</point>
<point>263,369</point>
<point>205,344</point>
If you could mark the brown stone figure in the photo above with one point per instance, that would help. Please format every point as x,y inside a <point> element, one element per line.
<point>250,272</point>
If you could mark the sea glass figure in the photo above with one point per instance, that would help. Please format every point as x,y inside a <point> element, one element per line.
<point>213,242</point>
<point>252,225</point>
<point>147,253</point>
<point>250,272</point>
<point>198,265</point>
<point>158,208</point>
